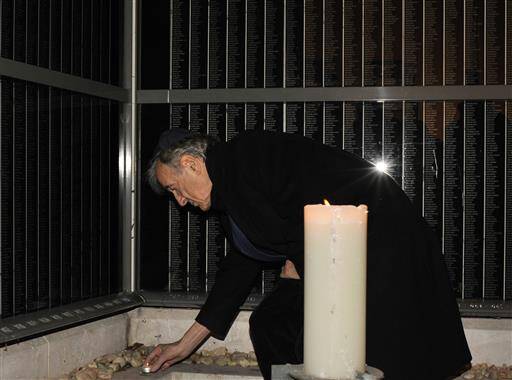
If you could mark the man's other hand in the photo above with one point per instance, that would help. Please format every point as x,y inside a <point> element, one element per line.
<point>288,271</point>
<point>165,355</point>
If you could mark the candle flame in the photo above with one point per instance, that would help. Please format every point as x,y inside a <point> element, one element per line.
<point>326,202</point>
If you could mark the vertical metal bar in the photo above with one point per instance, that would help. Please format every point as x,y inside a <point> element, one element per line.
<point>127,149</point>
<point>134,268</point>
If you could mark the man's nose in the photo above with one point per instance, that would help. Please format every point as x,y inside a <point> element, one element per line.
<point>182,201</point>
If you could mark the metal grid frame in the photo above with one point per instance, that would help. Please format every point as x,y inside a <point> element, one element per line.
<point>18,328</point>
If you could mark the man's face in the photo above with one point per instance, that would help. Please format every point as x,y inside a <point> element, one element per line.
<point>189,184</point>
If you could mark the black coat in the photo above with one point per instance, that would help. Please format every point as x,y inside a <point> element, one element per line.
<point>263,180</point>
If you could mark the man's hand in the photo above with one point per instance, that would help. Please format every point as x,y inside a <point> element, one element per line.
<point>165,355</point>
<point>288,271</point>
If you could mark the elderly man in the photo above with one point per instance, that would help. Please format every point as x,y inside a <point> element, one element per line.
<point>260,182</point>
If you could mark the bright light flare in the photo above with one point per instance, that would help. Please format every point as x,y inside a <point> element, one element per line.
<point>381,166</point>
<point>326,202</point>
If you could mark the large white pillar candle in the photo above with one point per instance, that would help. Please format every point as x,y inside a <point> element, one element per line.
<point>334,290</point>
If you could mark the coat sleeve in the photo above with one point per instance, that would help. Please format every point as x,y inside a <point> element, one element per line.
<point>233,282</point>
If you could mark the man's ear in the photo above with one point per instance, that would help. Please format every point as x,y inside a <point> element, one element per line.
<point>189,161</point>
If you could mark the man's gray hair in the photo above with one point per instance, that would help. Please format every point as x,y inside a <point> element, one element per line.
<point>195,145</point>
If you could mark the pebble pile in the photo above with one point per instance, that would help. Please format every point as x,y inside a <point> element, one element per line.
<point>488,372</point>
<point>103,368</point>
<point>221,357</point>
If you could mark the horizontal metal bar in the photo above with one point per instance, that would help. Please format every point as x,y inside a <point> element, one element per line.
<point>40,75</point>
<point>152,96</point>
<point>326,94</point>
<point>28,326</point>
<point>187,300</point>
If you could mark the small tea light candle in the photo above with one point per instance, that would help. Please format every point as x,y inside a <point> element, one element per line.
<point>146,368</point>
<point>335,290</point>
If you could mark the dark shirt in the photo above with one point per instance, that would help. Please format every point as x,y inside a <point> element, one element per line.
<point>246,247</point>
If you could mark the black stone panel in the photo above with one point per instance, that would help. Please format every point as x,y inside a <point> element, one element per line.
<point>473,199</point>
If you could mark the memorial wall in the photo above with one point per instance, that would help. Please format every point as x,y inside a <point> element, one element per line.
<point>452,158</point>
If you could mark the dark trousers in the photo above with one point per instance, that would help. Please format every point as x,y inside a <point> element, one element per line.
<point>277,325</point>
